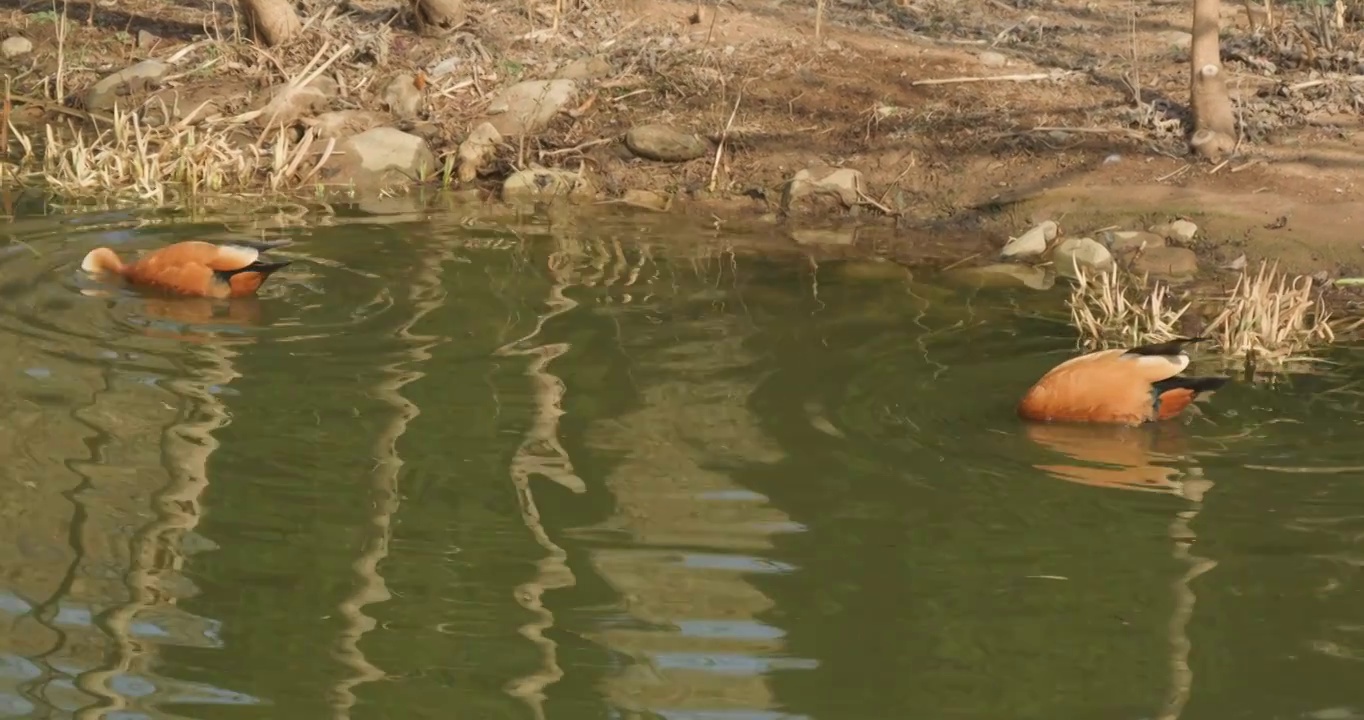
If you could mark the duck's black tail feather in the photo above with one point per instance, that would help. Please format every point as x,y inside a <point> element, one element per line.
<point>264,268</point>
<point>1196,384</point>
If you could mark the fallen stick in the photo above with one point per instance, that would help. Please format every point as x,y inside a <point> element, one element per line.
<point>1124,132</point>
<point>868,200</point>
<point>1307,84</point>
<point>1173,173</point>
<point>961,262</point>
<point>576,148</point>
<point>995,78</point>
<point>720,146</point>
<point>1088,130</point>
<point>60,108</point>
<point>4,129</point>
<point>1322,81</point>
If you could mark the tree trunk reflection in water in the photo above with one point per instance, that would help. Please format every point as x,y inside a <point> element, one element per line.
<point>186,446</point>
<point>1137,459</point>
<point>427,294</point>
<point>542,454</point>
<point>1181,532</point>
<point>697,636</point>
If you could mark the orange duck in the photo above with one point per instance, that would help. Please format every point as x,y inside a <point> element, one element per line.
<point>193,267</point>
<point>1128,386</point>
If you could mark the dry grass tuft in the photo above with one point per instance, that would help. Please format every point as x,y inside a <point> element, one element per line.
<point>152,152</point>
<point>1269,318</point>
<point>240,144</point>
<point>1107,312</point>
<point>131,157</point>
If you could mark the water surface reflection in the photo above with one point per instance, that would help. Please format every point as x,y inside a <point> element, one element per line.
<point>531,466</point>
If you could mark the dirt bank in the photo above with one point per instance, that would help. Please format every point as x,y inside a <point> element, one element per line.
<point>998,111</point>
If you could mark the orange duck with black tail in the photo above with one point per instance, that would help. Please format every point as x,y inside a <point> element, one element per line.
<point>1125,386</point>
<point>193,268</point>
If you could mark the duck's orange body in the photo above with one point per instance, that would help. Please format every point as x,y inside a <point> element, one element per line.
<point>192,268</point>
<point>1127,386</point>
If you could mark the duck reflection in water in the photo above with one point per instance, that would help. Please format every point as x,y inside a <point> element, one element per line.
<point>197,320</point>
<point>1119,457</point>
<point>240,312</point>
<point>192,319</point>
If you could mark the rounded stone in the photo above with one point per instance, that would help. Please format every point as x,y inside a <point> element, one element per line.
<point>1166,261</point>
<point>15,45</point>
<point>665,143</point>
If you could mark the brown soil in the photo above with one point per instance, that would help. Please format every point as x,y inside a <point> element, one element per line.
<point>1080,143</point>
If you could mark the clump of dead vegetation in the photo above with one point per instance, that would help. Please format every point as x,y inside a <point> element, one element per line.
<point>154,144</point>
<point>157,146</point>
<point>149,162</point>
<point>1114,308</point>
<point>1268,318</point>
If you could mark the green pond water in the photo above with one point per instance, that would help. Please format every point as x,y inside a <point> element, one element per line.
<point>529,467</point>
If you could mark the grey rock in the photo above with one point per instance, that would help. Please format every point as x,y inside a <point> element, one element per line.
<point>146,40</point>
<point>378,158</point>
<point>402,98</point>
<point>444,67</point>
<point>479,147</point>
<point>646,199</point>
<point>1166,262</point>
<point>529,106</point>
<point>344,123</point>
<point>1073,255</point>
<point>1123,242</point>
<point>393,208</point>
<point>1005,275</point>
<point>1179,231</point>
<point>172,105</point>
<point>141,77</point>
<point>1033,242</point>
<point>1176,39</point>
<point>436,19</point>
<point>845,184</point>
<point>990,58</point>
<point>588,68</point>
<point>16,45</point>
<point>286,104</point>
<point>538,184</point>
<point>426,130</point>
<point>665,143</point>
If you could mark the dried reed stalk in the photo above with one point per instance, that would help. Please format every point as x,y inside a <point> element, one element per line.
<point>154,162</point>
<point>1103,310</point>
<point>1268,317</point>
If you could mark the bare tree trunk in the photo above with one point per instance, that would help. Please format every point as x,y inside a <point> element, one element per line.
<point>1214,125</point>
<point>438,16</point>
<point>271,21</point>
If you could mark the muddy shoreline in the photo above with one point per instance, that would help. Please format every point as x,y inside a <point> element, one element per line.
<point>924,135</point>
